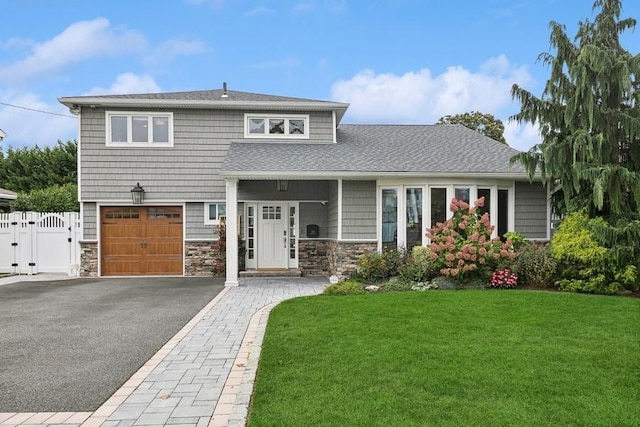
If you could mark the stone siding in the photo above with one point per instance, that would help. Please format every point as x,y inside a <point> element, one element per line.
<point>199,259</point>
<point>89,259</point>
<point>312,257</point>
<point>343,256</point>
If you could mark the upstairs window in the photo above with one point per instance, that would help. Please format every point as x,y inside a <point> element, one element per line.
<point>139,129</point>
<point>276,126</point>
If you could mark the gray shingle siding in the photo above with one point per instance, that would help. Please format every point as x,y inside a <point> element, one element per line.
<point>358,209</point>
<point>195,227</point>
<point>314,213</point>
<point>89,221</point>
<point>186,171</point>
<point>531,210</point>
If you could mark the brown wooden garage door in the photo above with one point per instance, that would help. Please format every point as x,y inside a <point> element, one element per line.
<point>141,240</point>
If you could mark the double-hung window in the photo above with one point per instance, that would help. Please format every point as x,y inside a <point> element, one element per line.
<point>139,129</point>
<point>276,126</point>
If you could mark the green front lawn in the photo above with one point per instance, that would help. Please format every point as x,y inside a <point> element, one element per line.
<point>451,358</point>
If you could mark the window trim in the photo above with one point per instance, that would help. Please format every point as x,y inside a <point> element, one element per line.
<point>285,117</point>
<point>207,219</point>
<point>130,143</point>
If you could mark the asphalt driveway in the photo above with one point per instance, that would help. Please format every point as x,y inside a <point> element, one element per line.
<point>68,345</point>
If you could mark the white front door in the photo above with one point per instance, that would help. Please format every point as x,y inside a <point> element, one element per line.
<point>272,239</point>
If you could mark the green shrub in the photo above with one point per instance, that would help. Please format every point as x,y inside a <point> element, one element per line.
<point>593,285</point>
<point>418,267</point>
<point>375,267</point>
<point>395,284</point>
<point>583,263</point>
<point>348,287</point>
<point>58,198</point>
<point>534,265</point>
<point>516,238</point>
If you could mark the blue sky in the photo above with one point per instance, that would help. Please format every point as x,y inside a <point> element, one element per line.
<point>394,61</point>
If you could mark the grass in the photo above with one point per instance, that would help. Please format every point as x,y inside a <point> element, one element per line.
<point>450,358</point>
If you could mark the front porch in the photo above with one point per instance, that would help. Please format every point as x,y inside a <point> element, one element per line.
<point>298,228</point>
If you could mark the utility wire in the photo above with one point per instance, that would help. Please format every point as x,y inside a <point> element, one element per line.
<point>37,111</point>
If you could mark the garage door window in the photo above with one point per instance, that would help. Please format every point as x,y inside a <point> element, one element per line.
<point>163,213</point>
<point>123,213</point>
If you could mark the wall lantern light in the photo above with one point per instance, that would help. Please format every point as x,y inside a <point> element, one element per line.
<point>137,194</point>
<point>282,185</point>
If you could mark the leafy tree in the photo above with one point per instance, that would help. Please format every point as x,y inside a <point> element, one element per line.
<point>27,169</point>
<point>58,198</point>
<point>589,119</point>
<point>485,124</point>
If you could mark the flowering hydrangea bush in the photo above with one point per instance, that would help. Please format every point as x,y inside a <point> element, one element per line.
<point>462,246</point>
<point>503,279</point>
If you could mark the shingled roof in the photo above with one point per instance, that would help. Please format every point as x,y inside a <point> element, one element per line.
<point>207,99</point>
<point>377,150</point>
<point>200,95</point>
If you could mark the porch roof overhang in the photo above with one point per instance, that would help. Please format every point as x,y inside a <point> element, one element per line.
<point>364,176</point>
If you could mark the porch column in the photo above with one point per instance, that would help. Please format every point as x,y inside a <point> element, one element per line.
<point>232,232</point>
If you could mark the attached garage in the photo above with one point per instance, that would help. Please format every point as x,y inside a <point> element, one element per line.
<point>141,240</point>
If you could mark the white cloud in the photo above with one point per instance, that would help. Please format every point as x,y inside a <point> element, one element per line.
<point>128,83</point>
<point>78,42</point>
<point>420,97</point>
<point>521,137</point>
<point>29,128</point>
<point>170,49</point>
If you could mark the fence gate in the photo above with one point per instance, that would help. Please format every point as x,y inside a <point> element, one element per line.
<point>32,242</point>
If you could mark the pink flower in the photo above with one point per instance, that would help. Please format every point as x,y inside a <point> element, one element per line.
<point>479,202</point>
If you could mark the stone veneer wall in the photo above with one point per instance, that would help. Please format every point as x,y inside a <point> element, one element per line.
<point>315,257</point>
<point>343,256</point>
<point>198,259</point>
<point>312,257</point>
<point>88,259</point>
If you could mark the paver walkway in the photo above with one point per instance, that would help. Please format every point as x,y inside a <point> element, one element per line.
<point>204,375</point>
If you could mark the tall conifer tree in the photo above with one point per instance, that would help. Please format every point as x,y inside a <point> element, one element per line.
<point>589,120</point>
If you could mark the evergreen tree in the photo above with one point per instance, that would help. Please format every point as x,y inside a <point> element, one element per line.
<point>589,120</point>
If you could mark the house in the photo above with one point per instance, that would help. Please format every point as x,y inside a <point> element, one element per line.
<point>300,191</point>
<point>6,197</point>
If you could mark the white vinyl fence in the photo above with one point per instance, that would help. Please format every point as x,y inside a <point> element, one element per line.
<point>32,242</point>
